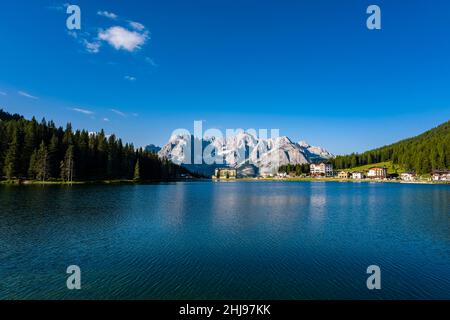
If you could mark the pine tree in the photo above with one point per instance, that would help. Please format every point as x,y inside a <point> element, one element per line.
<point>42,163</point>
<point>68,165</point>
<point>53,155</point>
<point>83,155</point>
<point>112,161</point>
<point>67,138</point>
<point>30,144</point>
<point>32,166</point>
<point>11,163</point>
<point>102,154</point>
<point>137,171</point>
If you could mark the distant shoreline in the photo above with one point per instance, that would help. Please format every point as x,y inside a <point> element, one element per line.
<point>93,182</point>
<point>131,182</point>
<point>337,180</point>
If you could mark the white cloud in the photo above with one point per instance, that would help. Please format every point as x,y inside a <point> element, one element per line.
<point>92,47</point>
<point>83,111</point>
<point>120,113</point>
<point>106,119</point>
<point>107,14</point>
<point>27,95</point>
<point>2,93</point>
<point>129,38</point>
<point>136,25</point>
<point>121,38</point>
<point>130,78</point>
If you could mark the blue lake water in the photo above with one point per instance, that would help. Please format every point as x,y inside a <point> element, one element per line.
<point>238,240</point>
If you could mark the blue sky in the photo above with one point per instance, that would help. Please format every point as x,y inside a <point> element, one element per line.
<point>310,68</point>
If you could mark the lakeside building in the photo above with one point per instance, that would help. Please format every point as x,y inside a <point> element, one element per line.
<point>359,175</point>
<point>441,175</point>
<point>408,176</point>
<point>377,173</point>
<point>344,175</point>
<point>225,174</point>
<point>321,169</point>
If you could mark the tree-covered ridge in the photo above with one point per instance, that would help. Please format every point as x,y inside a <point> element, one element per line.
<point>41,151</point>
<point>297,169</point>
<point>422,154</point>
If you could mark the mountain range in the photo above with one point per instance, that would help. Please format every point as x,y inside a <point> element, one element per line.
<point>250,155</point>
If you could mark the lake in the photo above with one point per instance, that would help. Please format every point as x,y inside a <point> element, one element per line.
<point>236,240</point>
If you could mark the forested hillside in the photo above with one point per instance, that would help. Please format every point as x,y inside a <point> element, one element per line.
<point>41,151</point>
<point>422,154</point>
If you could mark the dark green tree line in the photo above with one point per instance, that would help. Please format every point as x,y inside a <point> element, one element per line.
<point>297,169</point>
<point>41,151</point>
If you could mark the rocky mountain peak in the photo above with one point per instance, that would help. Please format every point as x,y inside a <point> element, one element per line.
<point>241,150</point>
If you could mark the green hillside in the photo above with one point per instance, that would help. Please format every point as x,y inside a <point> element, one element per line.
<point>422,154</point>
<point>391,167</point>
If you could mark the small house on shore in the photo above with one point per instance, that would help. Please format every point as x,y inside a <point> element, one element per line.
<point>225,174</point>
<point>408,176</point>
<point>441,175</point>
<point>359,175</point>
<point>377,173</point>
<point>344,175</point>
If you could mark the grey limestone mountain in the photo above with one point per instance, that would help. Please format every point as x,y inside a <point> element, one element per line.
<point>250,155</point>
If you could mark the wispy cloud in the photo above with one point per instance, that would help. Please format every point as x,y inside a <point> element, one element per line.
<point>106,119</point>
<point>58,7</point>
<point>107,14</point>
<point>27,95</point>
<point>123,39</point>
<point>118,112</point>
<point>3,93</point>
<point>82,38</point>
<point>151,62</point>
<point>136,25</point>
<point>130,78</point>
<point>83,111</point>
<point>91,47</point>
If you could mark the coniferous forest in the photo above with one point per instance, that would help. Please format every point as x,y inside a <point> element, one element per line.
<point>297,169</point>
<point>422,154</point>
<point>41,151</point>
